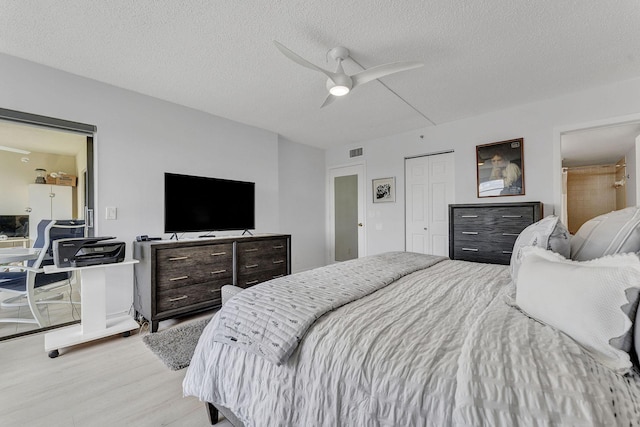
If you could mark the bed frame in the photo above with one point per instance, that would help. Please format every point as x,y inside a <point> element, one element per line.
<point>213,411</point>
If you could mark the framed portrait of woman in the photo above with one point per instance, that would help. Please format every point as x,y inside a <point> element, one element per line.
<point>500,168</point>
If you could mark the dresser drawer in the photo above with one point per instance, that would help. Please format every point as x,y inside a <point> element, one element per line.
<point>506,216</point>
<point>263,254</point>
<point>249,279</point>
<point>171,299</point>
<point>493,237</point>
<point>189,265</point>
<point>482,254</point>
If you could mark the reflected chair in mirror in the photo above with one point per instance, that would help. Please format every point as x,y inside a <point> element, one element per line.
<point>29,282</point>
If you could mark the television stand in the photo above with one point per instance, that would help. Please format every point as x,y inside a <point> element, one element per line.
<point>182,278</point>
<point>247,231</point>
<point>174,235</point>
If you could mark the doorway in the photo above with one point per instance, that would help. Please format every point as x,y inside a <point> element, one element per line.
<point>429,188</point>
<point>60,149</point>
<point>598,169</point>
<point>346,206</point>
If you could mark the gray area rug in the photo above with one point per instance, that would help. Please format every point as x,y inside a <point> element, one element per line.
<point>175,346</point>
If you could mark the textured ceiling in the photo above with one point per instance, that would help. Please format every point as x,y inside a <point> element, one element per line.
<point>218,56</point>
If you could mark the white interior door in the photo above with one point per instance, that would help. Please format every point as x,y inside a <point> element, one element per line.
<point>430,188</point>
<point>346,206</point>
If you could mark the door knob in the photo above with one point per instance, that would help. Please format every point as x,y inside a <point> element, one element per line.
<point>359,224</point>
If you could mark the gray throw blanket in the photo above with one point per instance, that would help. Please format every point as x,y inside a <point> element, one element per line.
<point>271,318</point>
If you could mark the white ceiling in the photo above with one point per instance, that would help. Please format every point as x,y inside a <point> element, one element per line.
<point>599,146</point>
<point>40,140</point>
<point>218,56</point>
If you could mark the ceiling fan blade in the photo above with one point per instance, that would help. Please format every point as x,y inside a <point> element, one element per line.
<point>328,100</point>
<point>301,61</point>
<point>382,70</point>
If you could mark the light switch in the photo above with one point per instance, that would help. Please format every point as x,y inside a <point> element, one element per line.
<point>111,212</point>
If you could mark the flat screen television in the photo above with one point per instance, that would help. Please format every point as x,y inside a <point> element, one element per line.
<point>14,225</point>
<point>196,203</point>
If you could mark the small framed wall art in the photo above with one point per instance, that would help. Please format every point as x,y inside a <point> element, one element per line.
<point>500,168</point>
<point>384,190</point>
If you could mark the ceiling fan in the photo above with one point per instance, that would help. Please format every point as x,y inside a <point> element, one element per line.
<point>338,82</point>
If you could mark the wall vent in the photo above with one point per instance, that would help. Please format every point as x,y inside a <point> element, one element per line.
<point>356,152</point>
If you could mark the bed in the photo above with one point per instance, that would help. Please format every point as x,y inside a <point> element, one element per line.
<point>436,342</point>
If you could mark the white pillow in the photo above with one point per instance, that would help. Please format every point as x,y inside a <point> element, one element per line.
<point>588,301</point>
<point>608,234</point>
<point>548,233</point>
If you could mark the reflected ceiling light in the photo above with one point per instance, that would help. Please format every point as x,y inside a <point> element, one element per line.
<point>14,150</point>
<point>24,160</point>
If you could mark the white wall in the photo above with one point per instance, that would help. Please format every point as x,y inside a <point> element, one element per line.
<point>538,123</point>
<point>302,203</point>
<point>139,138</point>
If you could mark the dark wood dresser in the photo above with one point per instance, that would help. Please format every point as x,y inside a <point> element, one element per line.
<point>486,232</point>
<point>179,278</point>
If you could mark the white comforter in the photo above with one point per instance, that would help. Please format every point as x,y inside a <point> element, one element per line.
<point>438,347</point>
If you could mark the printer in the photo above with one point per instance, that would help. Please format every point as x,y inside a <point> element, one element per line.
<point>84,251</point>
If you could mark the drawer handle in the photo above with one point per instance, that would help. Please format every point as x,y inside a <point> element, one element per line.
<point>510,234</point>
<point>278,247</point>
<point>470,249</point>
<point>468,216</point>
<point>251,266</point>
<point>507,252</point>
<point>173,279</point>
<point>511,216</point>
<point>178,298</point>
<point>218,271</point>
<point>218,253</point>
<point>252,282</point>
<point>470,232</point>
<point>251,250</point>
<point>279,261</point>
<point>279,275</point>
<point>178,258</point>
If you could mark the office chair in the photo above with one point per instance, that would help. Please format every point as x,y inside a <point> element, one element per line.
<point>29,280</point>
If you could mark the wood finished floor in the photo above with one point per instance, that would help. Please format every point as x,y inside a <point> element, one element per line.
<point>114,381</point>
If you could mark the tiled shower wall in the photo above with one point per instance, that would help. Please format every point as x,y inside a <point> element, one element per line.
<point>590,192</point>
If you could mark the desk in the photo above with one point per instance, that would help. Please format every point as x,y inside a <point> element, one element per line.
<point>94,323</point>
<point>14,242</point>
<point>9,255</point>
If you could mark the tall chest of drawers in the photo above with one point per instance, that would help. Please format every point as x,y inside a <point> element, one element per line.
<point>174,279</point>
<point>486,232</point>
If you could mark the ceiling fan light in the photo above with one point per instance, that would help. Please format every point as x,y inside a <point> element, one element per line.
<point>339,90</point>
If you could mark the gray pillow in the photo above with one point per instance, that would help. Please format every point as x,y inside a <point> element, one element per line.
<point>608,234</point>
<point>548,233</point>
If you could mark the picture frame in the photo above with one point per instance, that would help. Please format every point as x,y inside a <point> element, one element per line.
<point>384,190</point>
<point>500,168</point>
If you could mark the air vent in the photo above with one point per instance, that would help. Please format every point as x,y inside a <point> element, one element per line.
<point>356,152</point>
